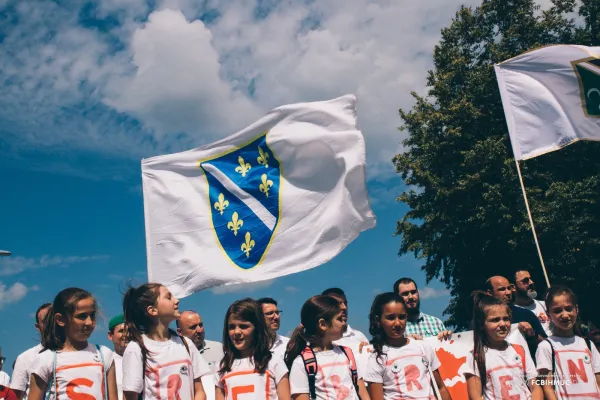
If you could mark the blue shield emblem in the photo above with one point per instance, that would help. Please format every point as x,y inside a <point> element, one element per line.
<point>244,195</point>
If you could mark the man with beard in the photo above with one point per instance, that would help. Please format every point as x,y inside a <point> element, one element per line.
<point>116,334</point>
<point>273,319</point>
<point>350,336</point>
<point>25,362</point>
<point>525,295</point>
<point>528,324</point>
<point>191,326</point>
<point>418,324</point>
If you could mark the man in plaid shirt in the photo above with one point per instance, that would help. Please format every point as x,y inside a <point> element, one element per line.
<point>418,325</point>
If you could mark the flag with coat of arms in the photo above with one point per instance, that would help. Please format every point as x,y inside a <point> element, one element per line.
<point>283,195</point>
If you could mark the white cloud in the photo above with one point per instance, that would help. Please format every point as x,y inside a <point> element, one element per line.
<point>291,289</point>
<point>14,265</point>
<point>14,293</point>
<point>243,288</point>
<point>189,82</point>
<point>431,293</point>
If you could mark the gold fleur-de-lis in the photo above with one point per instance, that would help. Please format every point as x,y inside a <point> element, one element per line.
<point>244,166</point>
<point>235,223</point>
<point>265,185</point>
<point>222,204</point>
<point>263,159</point>
<point>248,245</point>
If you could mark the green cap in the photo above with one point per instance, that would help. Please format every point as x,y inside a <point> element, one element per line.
<point>118,320</point>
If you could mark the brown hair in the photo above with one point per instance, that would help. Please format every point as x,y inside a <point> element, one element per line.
<point>250,311</point>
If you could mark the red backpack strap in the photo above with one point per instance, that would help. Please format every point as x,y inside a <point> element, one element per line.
<point>310,366</point>
<point>353,369</point>
<point>521,352</point>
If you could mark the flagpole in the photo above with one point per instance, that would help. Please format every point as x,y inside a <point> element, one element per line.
<point>537,244</point>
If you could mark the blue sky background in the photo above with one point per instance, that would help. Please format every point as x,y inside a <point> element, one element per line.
<point>90,88</point>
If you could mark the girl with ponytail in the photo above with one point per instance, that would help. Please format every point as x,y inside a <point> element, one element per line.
<point>495,368</point>
<point>248,366</point>
<point>397,357</point>
<point>157,362</point>
<point>68,365</point>
<point>318,368</point>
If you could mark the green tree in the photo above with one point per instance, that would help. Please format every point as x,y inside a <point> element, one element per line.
<point>467,218</point>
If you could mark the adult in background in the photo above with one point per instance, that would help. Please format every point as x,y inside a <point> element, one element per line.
<point>525,295</point>
<point>191,326</point>
<point>116,334</point>
<point>527,322</point>
<point>350,335</point>
<point>273,319</point>
<point>25,362</point>
<point>418,324</point>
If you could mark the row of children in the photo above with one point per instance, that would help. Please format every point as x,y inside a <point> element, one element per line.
<point>160,364</point>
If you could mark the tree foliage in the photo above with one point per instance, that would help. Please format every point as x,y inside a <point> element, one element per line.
<point>467,219</point>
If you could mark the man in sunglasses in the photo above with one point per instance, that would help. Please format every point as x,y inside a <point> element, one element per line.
<point>273,319</point>
<point>525,295</point>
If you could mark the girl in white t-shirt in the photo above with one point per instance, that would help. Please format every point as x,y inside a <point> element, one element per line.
<point>157,363</point>
<point>248,369</point>
<point>495,369</point>
<point>569,364</point>
<point>399,367</point>
<point>333,372</point>
<point>76,369</point>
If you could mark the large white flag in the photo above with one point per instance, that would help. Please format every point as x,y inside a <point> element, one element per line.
<point>551,98</point>
<point>286,194</point>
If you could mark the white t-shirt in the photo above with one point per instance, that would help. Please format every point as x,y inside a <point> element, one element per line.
<point>119,373</point>
<point>404,371</point>
<point>244,383</point>
<point>4,379</point>
<point>539,309</point>
<point>575,367</point>
<point>350,337</point>
<point>76,371</point>
<point>24,365</point>
<point>333,379</point>
<point>171,370</point>
<point>279,346</point>
<point>505,374</point>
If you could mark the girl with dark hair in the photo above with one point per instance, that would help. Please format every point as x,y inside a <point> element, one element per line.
<point>496,369</point>
<point>158,363</point>
<point>569,364</point>
<point>399,367</point>
<point>318,368</point>
<point>67,362</point>
<point>248,366</point>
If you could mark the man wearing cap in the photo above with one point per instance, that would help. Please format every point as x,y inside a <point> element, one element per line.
<point>191,326</point>
<point>116,334</point>
<point>26,361</point>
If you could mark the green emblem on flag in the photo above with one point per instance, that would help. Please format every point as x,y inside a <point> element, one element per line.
<point>588,75</point>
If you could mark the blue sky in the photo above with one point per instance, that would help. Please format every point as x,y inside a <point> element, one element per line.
<point>88,89</point>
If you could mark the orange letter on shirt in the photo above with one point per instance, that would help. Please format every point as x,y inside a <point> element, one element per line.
<point>73,395</point>
<point>412,374</point>
<point>173,387</point>
<point>236,391</point>
<point>577,370</point>
<point>505,388</point>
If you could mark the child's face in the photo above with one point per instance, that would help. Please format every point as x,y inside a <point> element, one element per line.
<point>241,334</point>
<point>82,323</point>
<point>167,305</point>
<point>497,323</point>
<point>338,326</point>
<point>563,313</point>
<point>393,320</point>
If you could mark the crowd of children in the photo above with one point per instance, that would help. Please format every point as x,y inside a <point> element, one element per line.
<point>159,364</point>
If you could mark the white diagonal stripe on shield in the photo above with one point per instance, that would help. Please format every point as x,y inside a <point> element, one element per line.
<point>256,206</point>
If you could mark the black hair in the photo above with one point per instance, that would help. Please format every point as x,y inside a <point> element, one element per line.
<point>404,281</point>
<point>266,300</point>
<point>337,292</point>
<point>40,308</point>
<point>375,328</point>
